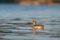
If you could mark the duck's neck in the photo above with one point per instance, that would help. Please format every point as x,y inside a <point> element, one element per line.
<point>34,23</point>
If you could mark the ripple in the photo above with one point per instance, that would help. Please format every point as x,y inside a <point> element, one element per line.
<point>16,19</point>
<point>22,24</point>
<point>55,36</point>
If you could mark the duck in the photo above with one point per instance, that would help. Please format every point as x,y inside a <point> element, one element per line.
<point>36,27</point>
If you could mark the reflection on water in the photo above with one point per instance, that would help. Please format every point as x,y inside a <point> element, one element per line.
<point>21,28</point>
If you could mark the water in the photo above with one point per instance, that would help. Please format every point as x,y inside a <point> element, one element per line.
<point>15,22</point>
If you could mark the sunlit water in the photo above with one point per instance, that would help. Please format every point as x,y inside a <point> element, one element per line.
<point>15,22</point>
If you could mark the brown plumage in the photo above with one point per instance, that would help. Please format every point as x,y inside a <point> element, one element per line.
<point>37,27</point>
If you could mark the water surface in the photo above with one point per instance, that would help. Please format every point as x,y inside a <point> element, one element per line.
<point>15,22</point>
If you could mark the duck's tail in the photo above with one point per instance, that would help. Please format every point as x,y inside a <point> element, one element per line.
<point>42,26</point>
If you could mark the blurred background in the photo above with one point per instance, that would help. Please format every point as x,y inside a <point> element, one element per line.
<point>16,19</point>
<point>31,2</point>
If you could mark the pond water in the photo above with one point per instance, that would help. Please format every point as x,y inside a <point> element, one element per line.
<point>15,22</point>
